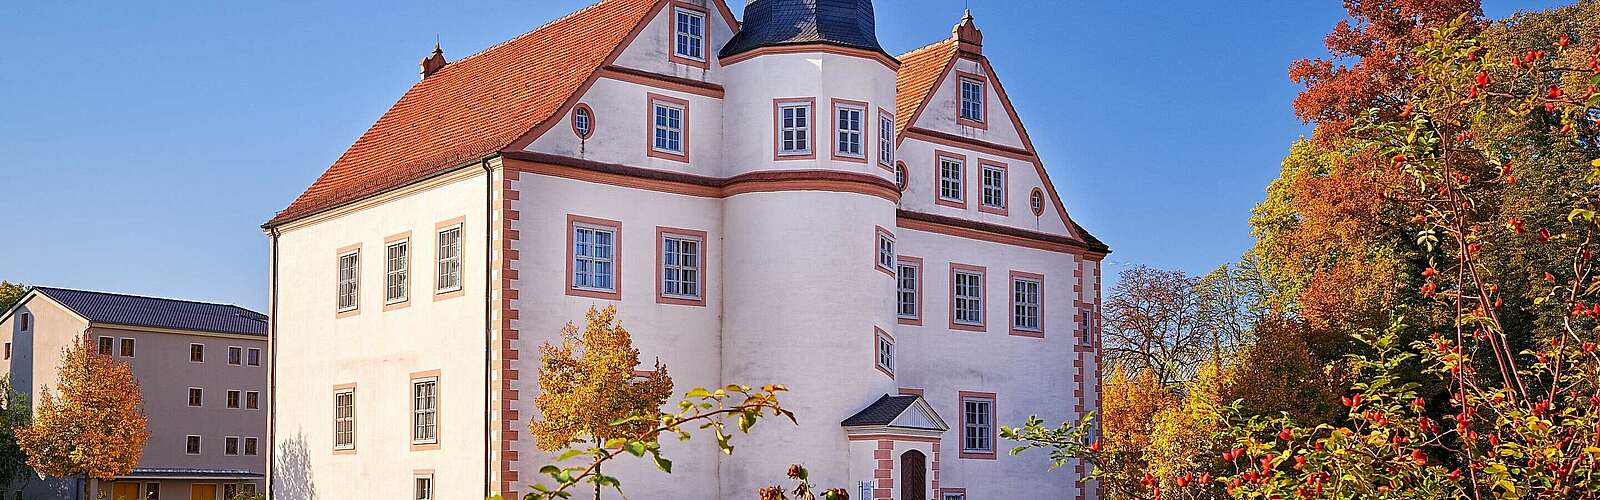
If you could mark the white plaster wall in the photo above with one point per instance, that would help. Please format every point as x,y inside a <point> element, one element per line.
<point>754,83</point>
<point>943,108</point>
<point>378,350</point>
<point>651,49</point>
<point>1021,178</point>
<point>623,130</point>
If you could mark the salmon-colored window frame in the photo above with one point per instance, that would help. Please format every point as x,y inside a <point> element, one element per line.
<point>939,156</point>
<point>866,129</point>
<point>662,232</point>
<point>410,276</point>
<point>339,256</point>
<point>705,35</point>
<point>982,81</point>
<point>438,413</point>
<point>573,221</point>
<point>879,235</point>
<point>878,336</point>
<point>915,263</point>
<point>652,99</point>
<point>983,297</point>
<point>902,176</point>
<point>885,161</point>
<point>984,166</point>
<point>777,128</point>
<point>1012,291</point>
<point>994,413</point>
<point>459,224</point>
<point>587,111</point>
<point>911,391</point>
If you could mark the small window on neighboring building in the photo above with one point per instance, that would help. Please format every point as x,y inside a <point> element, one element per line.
<point>885,346</point>
<point>680,266</point>
<point>396,272</point>
<point>425,411</point>
<point>583,121</point>
<point>105,345</point>
<point>908,285</point>
<point>233,399</point>
<point>994,187</point>
<point>667,126</point>
<point>8,350</point>
<point>1025,302</point>
<point>235,355</point>
<point>592,257</point>
<point>24,321</point>
<point>250,447</point>
<point>967,306</point>
<point>253,357</point>
<point>197,353</point>
<point>848,131</point>
<point>349,275</point>
<point>252,400</point>
<point>972,99</point>
<point>977,424</point>
<point>344,419</point>
<point>953,496</point>
<point>152,491</point>
<point>950,182</point>
<point>230,446</point>
<point>449,277</point>
<point>689,34</point>
<point>191,444</point>
<point>196,396</point>
<point>885,246</point>
<point>228,490</point>
<point>424,487</point>
<point>886,140</point>
<point>794,129</point>
<point>127,348</point>
<point>1036,202</point>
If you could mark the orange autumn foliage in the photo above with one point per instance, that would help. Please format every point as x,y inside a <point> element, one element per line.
<point>588,383</point>
<point>93,424</point>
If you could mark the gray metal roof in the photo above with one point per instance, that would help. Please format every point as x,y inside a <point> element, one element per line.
<point>848,23</point>
<point>152,312</point>
<point>880,412</point>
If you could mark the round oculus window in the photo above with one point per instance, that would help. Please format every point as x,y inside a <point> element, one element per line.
<point>583,121</point>
<point>900,175</point>
<point>1036,201</point>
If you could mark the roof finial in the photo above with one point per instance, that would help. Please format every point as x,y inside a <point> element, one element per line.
<point>968,38</point>
<point>435,61</point>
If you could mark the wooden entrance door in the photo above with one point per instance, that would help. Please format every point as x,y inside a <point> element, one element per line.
<point>913,476</point>
<point>203,492</point>
<point>125,491</point>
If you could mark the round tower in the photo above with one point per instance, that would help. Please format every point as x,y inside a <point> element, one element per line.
<point>808,199</point>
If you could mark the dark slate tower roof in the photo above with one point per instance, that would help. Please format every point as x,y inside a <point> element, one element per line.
<point>767,23</point>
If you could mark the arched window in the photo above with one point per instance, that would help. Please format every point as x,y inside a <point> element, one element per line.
<point>583,121</point>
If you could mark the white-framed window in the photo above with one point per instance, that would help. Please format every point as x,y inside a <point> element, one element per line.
<point>449,266</point>
<point>230,445</point>
<point>251,446</point>
<point>1036,202</point>
<point>667,127</point>
<point>253,357</point>
<point>593,252</point>
<point>906,289</point>
<point>252,400</point>
<point>689,34</point>
<point>583,121</point>
<point>423,489</point>
<point>885,250</point>
<point>794,129</point>
<point>197,353</point>
<point>197,397</point>
<point>977,424</point>
<point>24,321</point>
<point>234,399</point>
<point>191,444</point>
<point>1025,303</point>
<point>344,419</point>
<point>994,186</point>
<point>950,185</point>
<point>900,176</point>
<point>680,266</point>
<point>104,345</point>
<point>235,355</point>
<point>349,275</point>
<point>848,130</point>
<point>885,358</point>
<point>126,348</point>
<point>968,297</point>
<point>425,410</point>
<point>972,96</point>
<point>886,140</point>
<point>396,272</point>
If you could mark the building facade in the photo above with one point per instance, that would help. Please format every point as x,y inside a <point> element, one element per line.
<point>777,201</point>
<point>202,372</point>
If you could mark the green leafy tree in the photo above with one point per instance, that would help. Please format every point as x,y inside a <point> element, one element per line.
<point>10,293</point>
<point>16,412</point>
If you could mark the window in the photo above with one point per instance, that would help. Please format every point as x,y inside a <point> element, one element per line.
<point>152,491</point>
<point>885,248</point>
<point>682,257</point>
<point>197,353</point>
<point>972,100</point>
<point>24,321</point>
<point>104,346</point>
<point>950,495</point>
<point>1027,293</point>
<point>396,268</point>
<point>593,255</point>
<point>667,119</point>
<point>449,277</point>
<point>900,176</point>
<point>424,411</point>
<point>235,355</point>
<point>583,121</point>
<point>230,445</point>
<point>196,396</point>
<point>250,446</point>
<point>886,140</point>
<point>1036,202</point>
<point>885,350</point>
<point>951,185</point>
<point>253,357</point>
<point>908,304</point>
<point>344,419</point>
<point>8,350</point>
<point>424,487</point>
<point>127,348</point>
<point>689,35</point>
<point>847,127</point>
<point>966,297</point>
<point>977,425</point>
<point>794,127</point>
<point>994,188</point>
<point>252,400</point>
<point>191,444</point>
<point>349,265</point>
<point>233,399</point>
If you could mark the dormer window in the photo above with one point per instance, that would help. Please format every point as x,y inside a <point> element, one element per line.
<point>974,101</point>
<point>689,34</point>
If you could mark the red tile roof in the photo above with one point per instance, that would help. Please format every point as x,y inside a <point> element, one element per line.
<point>475,106</point>
<point>920,72</point>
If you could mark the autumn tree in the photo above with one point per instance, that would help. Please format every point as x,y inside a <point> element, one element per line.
<point>10,293</point>
<point>1129,404</point>
<point>15,413</point>
<point>1152,323</point>
<point>93,424</point>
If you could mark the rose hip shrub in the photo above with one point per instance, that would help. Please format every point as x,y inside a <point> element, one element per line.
<point>1520,422</point>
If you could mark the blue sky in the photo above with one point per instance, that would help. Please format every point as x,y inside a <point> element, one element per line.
<point>144,143</point>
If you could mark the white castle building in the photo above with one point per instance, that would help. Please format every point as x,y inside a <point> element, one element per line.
<point>773,201</point>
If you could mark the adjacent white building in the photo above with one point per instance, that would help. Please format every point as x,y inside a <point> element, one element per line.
<point>773,201</point>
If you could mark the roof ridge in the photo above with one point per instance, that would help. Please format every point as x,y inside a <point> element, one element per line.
<point>520,36</point>
<point>129,295</point>
<point>924,48</point>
